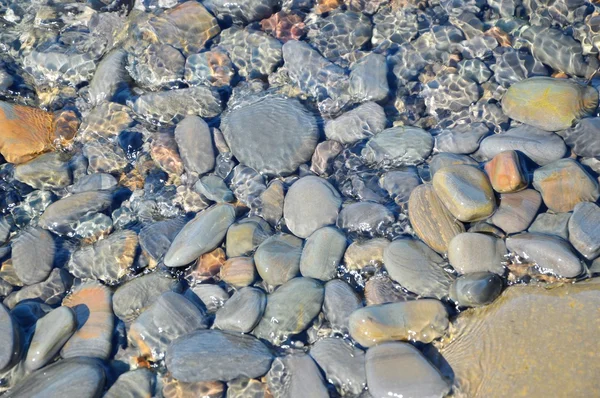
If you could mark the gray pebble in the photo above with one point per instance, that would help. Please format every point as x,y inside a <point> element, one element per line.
<point>368,78</point>
<point>583,138</point>
<point>47,171</point>
<point>361,122</point>
<point>156,238</point>
<point>322,253</point>
<point>214,188</point>
<point>94,182</point>
<point>195,144</point>
<point>517,210</point>
<point>212,296</point>
<point>400,183</point>
<point>343,364</point>
<point>462,139</point>
<point>51,333</point>
<point>476,289</point>
<point>339,302</point>
<point>33,255</point>
<point>584,229</point>
<point>277,259</point>
<point>246,235</point>
<point>552,224</point>
<point>366,218</point>
<point>51,291</point>
<point>474,252</point>
<point>296,375</point>
<point>12,339</point>
<point>398,146</point>
<point>60,214</point>
<point>136,383</point>
<point>242,312</point>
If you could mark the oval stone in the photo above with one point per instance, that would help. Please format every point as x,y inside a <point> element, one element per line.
<point>296,375</point>
<point>476,289</point>
<point>242,311</point>
<point>339,302</point>
<point>47,171</point>
<point>278,258</point>
<point>195,144</point>
<point>59,215</point>
<point>343,364</point>
<point>322,253</point>
<point>584,229</point>
<point>365,253</point>
<point>246,235</point>
<point>51,333</point>
<point>366,218</point>
<point>33,255</point>
<point>517,210</point>
<point>361,122</point>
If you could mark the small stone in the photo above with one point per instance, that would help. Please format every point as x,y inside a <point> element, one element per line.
<point>47,171</point>
<point>421,320</point>
<point>195,144</point>
<point>94,182</point>
<point>322,253</point>
<point>155,239</point>
<point>59,215</point>
<point>278,258</point>
<point>51,333</point>
<point>214,188</point>
<point>111,79</point>
<point>584,229</point>
<point>242,312</point>
<point>10,349</point>
<point>380,289</point>
<point>343,364</point>
<point>165,153</point>
<point>33,255</point>
<point>365,218</point>
<point>466,192</point>
<point>517,210</point>
<point>212,296</point>
<point>227,355</point>
<point>271,200</point>
<point>441,160</point>
<point>135,383</point>
<point>296,375</point>
<point>194,24</point>
<point>361,122</point>
<point>156,67</point>
<point>398,146</point>
<point>284,25</point>
<point>238,271</point>
<point>339,303</point>
<point>552,224</point>
<point>212,67</point>
<point>246,235</point>
<point>324,156</point>
<point>507,173</point>
<point>365,253</point>
<point>207,266</point>
<point>565,183</point>
<point>476,289</point>
<point>474,252</point>
<point>368,78</point>
<point>462,139</point>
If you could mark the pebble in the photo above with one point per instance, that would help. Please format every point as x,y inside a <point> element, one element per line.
<point>212,296</point>
<point>254,53</point>
<point>207,266</point>
<point>431,220</point>
<point>111,79</point>
<point>94,182</point>
<point>59,215</point>
<point>549,104</point>
<point>368,78</point>
<point>550,253</point>
<point>195,144</point>
<point>462,139</point>
<point>51,291</point>
<point>476,289</point>
<point>241,13</point>
<point>277,259</point>
<point>507,172</point>
<point>517,210</point>
<point>339,302</point>
<point>212,67</point>
<point>466,192</point>
<point>194,26</point>
<point>156,67</point>
<point>242,312</point>
<point>322,253</point>
<point>169,317</point>
<point>200,235</point>
<point>417,268</point>
<point>246,235</point>
<point>380,289</point>
<point>156,238</point>
<point>441,160</point>
<point>104,157</point>
<point>238,271</point>
<point>296,375</point>
<point>214,188</point>
<point>401,370</point>
<point>324,156</point>
<point>92,304</point>
<point>47,171</point>
<point>399,184</point>
<point>552,224</point>
<point>227,355</point>
<point>476,252</point>
<point>273,135</point>
<point>584,229</point>
<point>361,122</point>
<point>565,183</point>
<point>343,364</point>
<point>12,340</point>
<point>365,218</point>
<point>421,320</point>
<point>365,253</point>
<point>164,152</point>
<point>136,383</point>
<point>33,255</point>
<point>51,333</point>
<point>290,309</point>
<point>583,138</point>
<point>543,147</point>
<point>398,146</point>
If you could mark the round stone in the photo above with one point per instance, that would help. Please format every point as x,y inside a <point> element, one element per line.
<point>33,255</point>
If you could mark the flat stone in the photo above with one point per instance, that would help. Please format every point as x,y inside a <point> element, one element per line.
<point>51,333</point>
<point>466,192</point>
<point>59,215</point>
<point>33,255</point>
<point>322,253</point>
<point>552,224</point>
<point>296,375</point>
<point>398,146</point>
<point>475,252</point>
<point>136,383</point>
<point>565,183</point>
<point>343,364</point>
<point>517,210</point>
<point>47,171</point>
<point>339,302</point>
<point>227,355</point>
<point>584,229</point>
<point>476,289</point>
<point>242,312</point>
<point>550,253</point>
<point>365,218</point>
<point>195,144</point>
<point>421,320</point>
<point>507,173</point>
<point>51,291</point>
<point>361,122</point>
<point>11,349</point>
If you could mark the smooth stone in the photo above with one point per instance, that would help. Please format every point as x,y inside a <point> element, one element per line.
<point>226,356</point>
<point>368,78</point>
<point>476,289</point>
<point>194,26</point>
<point>47,171</point>
<point>136,295</point>
<point>380,289</point>
<point>421,320</point>
<point>94,182</point>
<point>246,235</point>
<point>111,79</point>
<point>486,228</point>
<point>212,68</point>
<point>214,188</point>
<point>431,220</point>
<point>59,215</point>
<point>343,364</point>
<point>195,144</point>
<point>157,66</point>
<point>138,383</point>
<point>507,173</point>
<point>51,333</point>
<point>365,253</point>
<point>398,146</point>
<point>271,200</point>
<point>322,253</point>
<point>156,238</point>
<point>538,315</point>
<point>290,309</point>
<point>517,210</point>
<point>310,203</point>
<point>212,296</point>
<point>277,259</point>
<point>584,229</point>
<point>361,122</point>
<point>51,291</point>
<point>201,235</point>
<point>74,377</point>
<point>462,139</point>
<point>242,312</point>
<point>366,218</point>
<point>324,156</point>
<point>417,268</point>
<point>164,151</point>
<point>466,192</point>
<point>238,271</point>
<point>541,146</point>
<point>12,340</point>
<point>33,255</point>
<point>272,135</point>
<point>399,184</point>
<point>549,104</point>
<point>583,138</point>
<point>550,253</point>
<point>441,160</point>
<point>296,375</point>
<point>5,288</point>
<point>339,302</point>
<point>169,317</point>
<point>92,304</point>
<point>565,183</point>
<point>401,370</point>
<point>28,312</point>
<point>552,224</point>
<point>474,252</point>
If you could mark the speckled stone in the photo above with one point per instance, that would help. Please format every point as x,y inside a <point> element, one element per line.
<point>476,289</point>
<point>296,375</point>
<point>584,229</point>
<point>552,224</point>
<point>339,302</point>
<point>474,252</point>
<point>242,312</point>
<point>507,172</point>
<point>51,333</point>
<point>565,183</point>
<point>361,122</point>
<point>517,210</point>
<point>322,253</point>
<point>398,146</point>
<point>365,253</point>
<point>465,191</point>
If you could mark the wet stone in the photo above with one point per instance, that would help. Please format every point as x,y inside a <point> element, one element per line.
<point>157,66</point>
<point>214,188</point>
<point>59,215</point>
<point>339,302</point>
<point>380,289</point>
<point>51,333</point>
<point>368,78</point>
<point>583,138</point>
<point>400,183</point>
<point>462,139</point>
<point>441,160</point>
<point>366,218</point>
<point>169,317</point>
<point>584,229</point>
<point>474,252</point>
<point>195,144</point>
<point>552,224</point>
<point>365,253</point>
<point>422,320</point>
<point>324,157</point>
<point>322,253</point>
<point>246,235</point>
<point>284,25</point>
<point>133,384</point>
<point>10,350</point>
<point>212,296</point>
<point>33,255</point>
<point>243,13</point>
<point>417,268</point>
<point>361,122</point>
<point>238,271</point>
<point>242,312</point>
<point>155,239</point>
<point>253,52</point>
<point>111,79</point>
<point>51,291</point>
<point>47,171</point>
<point>476,289</point>
<point>94,182</point>
<point>517,210</point>
<point>165,153</point>
<point>207,266</point>
<point>398,146</point>
<point>227,355</point>
<point>173,388</point>
<point>507,172</point>
<point>451,92</point>
<point>278,258</point>
<point>565,183</point>
<point>296,375</point>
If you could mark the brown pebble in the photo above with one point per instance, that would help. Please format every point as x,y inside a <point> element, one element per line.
<point>506,172</point>
<point>239,271</point>
<point>164,152</point>
<point>206,267</point>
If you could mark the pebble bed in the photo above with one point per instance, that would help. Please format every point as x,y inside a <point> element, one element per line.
<point>299,198</point>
